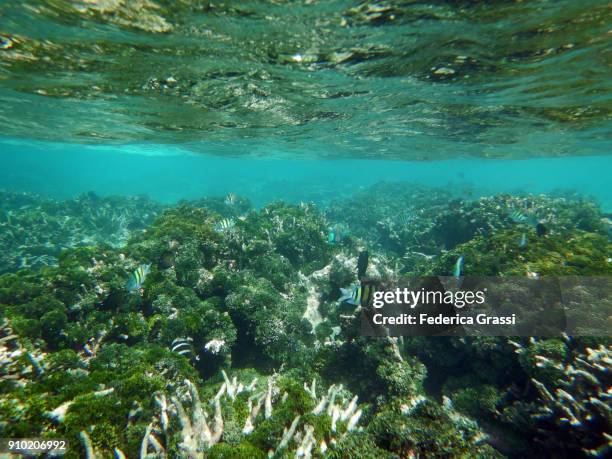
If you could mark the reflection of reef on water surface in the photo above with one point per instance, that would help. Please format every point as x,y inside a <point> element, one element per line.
<point>233,345</point>
<point>473,78</point>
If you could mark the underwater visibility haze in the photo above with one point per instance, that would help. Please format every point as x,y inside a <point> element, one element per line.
<point>200,202</point>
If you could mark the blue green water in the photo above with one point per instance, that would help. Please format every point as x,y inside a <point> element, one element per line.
<point>169,174</point>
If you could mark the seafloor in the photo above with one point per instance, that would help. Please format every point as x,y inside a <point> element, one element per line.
<point>234,345</point>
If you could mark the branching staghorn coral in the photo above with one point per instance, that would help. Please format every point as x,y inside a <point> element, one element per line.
<point>200,429</point>
<point>197,434</point>
<point>12,364</point>
<point>91,452</point>
<point>34,230</point>
<point>577,412</point>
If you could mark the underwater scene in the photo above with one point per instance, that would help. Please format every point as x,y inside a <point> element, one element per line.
<point>222,222</point>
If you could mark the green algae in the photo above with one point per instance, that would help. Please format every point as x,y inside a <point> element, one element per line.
<point>246,291</point>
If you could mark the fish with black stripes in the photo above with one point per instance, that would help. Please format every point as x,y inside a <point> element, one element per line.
<point>184,347</point>
<point>224,225</point>
<point>138,277</point>
<point>230,199</point>
<point>357,294</point>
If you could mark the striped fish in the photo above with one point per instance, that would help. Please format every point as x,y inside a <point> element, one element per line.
<point>183,346</point>
<point>138,277</point>
<point>517,216</point>
<point>225,224</point>
<point>357,294</point>
<point>230,199</point>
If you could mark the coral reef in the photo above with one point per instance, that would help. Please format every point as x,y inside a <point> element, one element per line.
<point>34,230</point>
<point>232,342</point>
<point>418,224</point>
<point>287,419</point>
<point>572,412</point>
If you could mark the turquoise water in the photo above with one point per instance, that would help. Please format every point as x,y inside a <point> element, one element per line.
<point>170,174</point>
<point>200,199</point>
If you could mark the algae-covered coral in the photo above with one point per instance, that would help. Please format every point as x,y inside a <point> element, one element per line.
<point>34,229</point>
<point>231,344</point>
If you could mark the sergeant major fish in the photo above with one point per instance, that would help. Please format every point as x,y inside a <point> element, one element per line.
<point>519,217</point>
<point>357,294</point>
<point>337,234</point>
<point>183,346</point>
<point>225,224</point>
<point>138,277</point>
<point>332,237</point>
<point>230,199</point>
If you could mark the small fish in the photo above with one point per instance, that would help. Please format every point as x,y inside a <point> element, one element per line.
<point>458,269</point>
<point>230,199</point>
<point>225,224</point>
<point>523,241</point>
<point>362,263</point>
<point>541,229</point>
<point>405,218</point>
<point>357,294</point>
<point>518,217</point>
<point>183,346</point>
<point>337,234</point>
<point>138,277</point>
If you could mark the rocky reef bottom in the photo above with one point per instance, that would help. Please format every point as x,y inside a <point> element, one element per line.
<point>210,329</point>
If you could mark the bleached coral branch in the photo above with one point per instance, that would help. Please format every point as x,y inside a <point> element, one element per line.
<point>581,403</point>
<point>12,366</point>
<point>87,445</point>
<point>199,431</point>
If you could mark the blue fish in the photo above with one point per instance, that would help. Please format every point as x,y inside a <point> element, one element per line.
<point>138,277</point>
<point>350,294</point>
<point>458,269</point>
<point>337,234</point>
<point>523,241</point>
